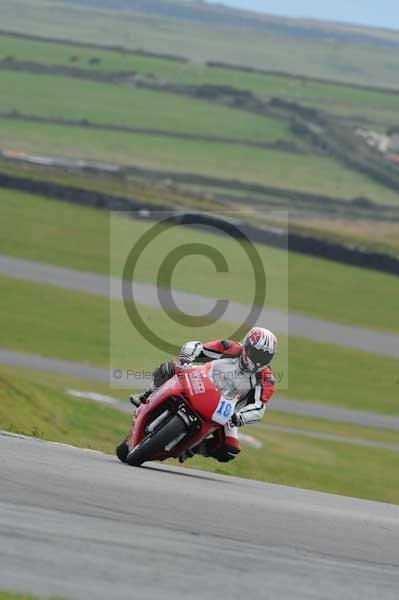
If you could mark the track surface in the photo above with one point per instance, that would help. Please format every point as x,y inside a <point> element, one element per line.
<point>79,524</point>
<point>384,344</point>
<point>295,407</point>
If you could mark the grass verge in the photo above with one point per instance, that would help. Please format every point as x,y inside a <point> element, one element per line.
<point>334,467</point>
<point>59,383</point>
<point>12,596</point>
<point>58,323</point>
<point>42,408</point>
<point>36,228</point>
<point>311,424</point>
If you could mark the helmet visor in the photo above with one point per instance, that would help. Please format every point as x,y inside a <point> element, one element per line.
<point>259,358</point>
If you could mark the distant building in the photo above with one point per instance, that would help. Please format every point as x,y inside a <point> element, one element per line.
<point>394,143</point>
<point>379,141</point>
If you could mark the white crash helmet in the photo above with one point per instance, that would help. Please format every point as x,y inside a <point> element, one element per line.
<point>259,347</point>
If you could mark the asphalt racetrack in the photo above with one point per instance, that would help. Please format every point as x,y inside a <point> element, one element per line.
<point>79,524</point>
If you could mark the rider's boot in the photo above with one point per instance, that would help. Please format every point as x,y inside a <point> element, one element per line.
<point>187,454</point>
<point>201,449</point>
<point>228,449</point>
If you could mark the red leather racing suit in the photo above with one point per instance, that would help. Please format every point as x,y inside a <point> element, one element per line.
<point>261,385</point>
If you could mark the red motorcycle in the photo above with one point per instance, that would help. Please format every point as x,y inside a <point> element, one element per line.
<point>177,417</point>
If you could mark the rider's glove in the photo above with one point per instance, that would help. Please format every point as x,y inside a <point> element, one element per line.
<point>164,372</point>
<point>190,352</point>
<point>237,420</point>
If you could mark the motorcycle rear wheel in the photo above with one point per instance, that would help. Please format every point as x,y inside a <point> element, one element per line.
<point>154,444</point>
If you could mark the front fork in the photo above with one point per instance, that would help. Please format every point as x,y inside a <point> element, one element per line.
<point>130,434</point>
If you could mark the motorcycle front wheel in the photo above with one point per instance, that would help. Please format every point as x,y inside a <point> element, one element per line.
<point>122,450</point>
<point>155,443</point>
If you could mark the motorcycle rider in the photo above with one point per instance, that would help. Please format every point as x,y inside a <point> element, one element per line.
<point>238,370</point>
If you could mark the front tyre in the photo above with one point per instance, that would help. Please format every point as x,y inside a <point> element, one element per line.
<point>154,444</point>
<point>122,450</point>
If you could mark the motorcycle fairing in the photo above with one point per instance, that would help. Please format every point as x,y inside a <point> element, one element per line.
<point>199,393</point>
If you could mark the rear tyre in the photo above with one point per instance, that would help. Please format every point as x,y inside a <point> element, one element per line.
<point>122,450</point>
<point>154,444</point>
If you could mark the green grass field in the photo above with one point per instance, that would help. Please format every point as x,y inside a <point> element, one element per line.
<point>134,187</point>
<point>67,98</point>
<point>328,95</point>
<point>369,116</point>
<point>75,326</point>
<point>379,107</point>
<point>314,57</point>
<point>379,236</point>
<point>350,224</point>
<point>12,596</point>
<point>275,168</point>
<point>40,407</point>
<point>333,467</point>
<point>294,422</point>
<point>40,229</point>
<point>44,410</point>
<point>58,384</point>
